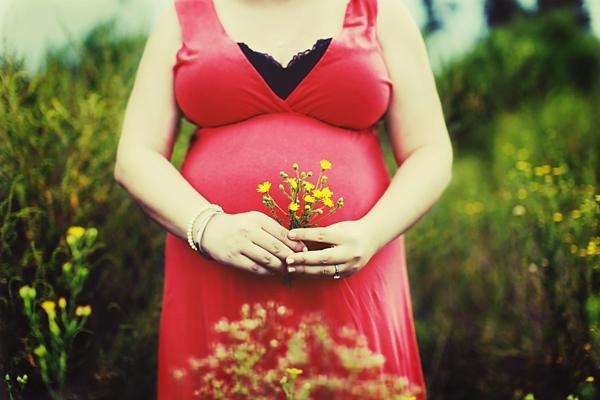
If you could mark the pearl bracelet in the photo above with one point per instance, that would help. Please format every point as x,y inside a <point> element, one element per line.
<point>190,226</point>
<point>202,227</point>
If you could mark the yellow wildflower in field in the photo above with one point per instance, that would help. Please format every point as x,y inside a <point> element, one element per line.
<point>83,311</point>
<point>325,165</point>
<point>62,303</point>
<point>264,187</point>
<point>589,379</point>
<point>317,193</point>
<point>27,292</point>
<point>49,307</point>
<point>293,206</point>
<point>592,248</point>
<point>522,165</point>
<point>575,214</point>
<point>327,201</point>
<point>557,217</point>
<point>76,231</point>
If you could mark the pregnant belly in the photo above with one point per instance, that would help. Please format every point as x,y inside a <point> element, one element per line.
<point>226,163</point>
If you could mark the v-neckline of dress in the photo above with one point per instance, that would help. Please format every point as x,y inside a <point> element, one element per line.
<point>285,102</point>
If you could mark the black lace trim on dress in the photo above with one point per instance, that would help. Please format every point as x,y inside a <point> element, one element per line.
<point>283,80</point>
<point>320,44</point>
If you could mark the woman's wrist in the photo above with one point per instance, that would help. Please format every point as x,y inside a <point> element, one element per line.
<point>201,229</point>
<point>372,234</point>
<point>196,222</point>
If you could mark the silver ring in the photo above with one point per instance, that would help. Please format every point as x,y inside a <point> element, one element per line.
<point>337,273</point>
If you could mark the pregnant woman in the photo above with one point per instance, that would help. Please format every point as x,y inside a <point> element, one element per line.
<point>269,83</point>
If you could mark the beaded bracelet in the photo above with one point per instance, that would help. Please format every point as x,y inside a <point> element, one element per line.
<point>202,227</point>
<point>190,226</point>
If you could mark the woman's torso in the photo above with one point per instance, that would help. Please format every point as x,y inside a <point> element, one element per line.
<point>247,133</point>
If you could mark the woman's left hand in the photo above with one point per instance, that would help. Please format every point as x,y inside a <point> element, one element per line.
<point>352,248</point>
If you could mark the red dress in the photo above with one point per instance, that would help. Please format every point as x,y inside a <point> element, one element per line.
<point>247,134</point>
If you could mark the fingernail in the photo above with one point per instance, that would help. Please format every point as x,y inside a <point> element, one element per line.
<point>292,235</point>
<point>291,269</point>
<point>290,260</point>
<point>305,248</point>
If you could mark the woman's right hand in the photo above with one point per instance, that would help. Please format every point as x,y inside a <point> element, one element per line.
<point>250,240</point>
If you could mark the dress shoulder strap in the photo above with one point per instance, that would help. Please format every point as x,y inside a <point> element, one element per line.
<point>195,21</point>
<point>362,13</point>
<point>370,12</point>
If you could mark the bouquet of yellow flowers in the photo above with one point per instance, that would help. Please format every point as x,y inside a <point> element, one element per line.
<point>307,200</point>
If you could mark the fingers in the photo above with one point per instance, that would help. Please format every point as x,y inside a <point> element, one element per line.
<point>322,272</point>
<point>246,263</point>
<point>271,244</point>
<point>329,256</point>
<point>262,257</point>
<point>274,229</point>
<point>317,234</point>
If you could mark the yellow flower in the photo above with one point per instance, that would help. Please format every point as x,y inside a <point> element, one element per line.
<point>522,165</point>
<point>589,379</point>
<point>293,371</point>
<point>557,217</point>
<point>293,206</point>
<point>309,199</point>
<point>327,201</point>
<point>317,193</point>
<point>83,311</point>
<point>76,231</point>
<point>591,248</point>
<point>48,306</point>
<point>293,182</point>
<point>264,187</point>
<point>575,214</point>
<point>325,165</point>
<point>295,166</point>
<point>308,185</point>
<point>27,292</point>
<point>62,303</point>
<point>326,192</point>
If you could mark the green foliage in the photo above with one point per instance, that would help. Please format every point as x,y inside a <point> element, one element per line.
<point>504,268</point>
<point>529,59</point>
<point>58,135</point>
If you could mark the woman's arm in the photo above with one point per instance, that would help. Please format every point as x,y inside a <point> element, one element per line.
<point>421,145</point>
<point>150,127</point>
<point>250,241</point>
<point>416,128</point>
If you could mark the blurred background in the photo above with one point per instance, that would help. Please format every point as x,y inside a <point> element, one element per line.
<point>504,269</point>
